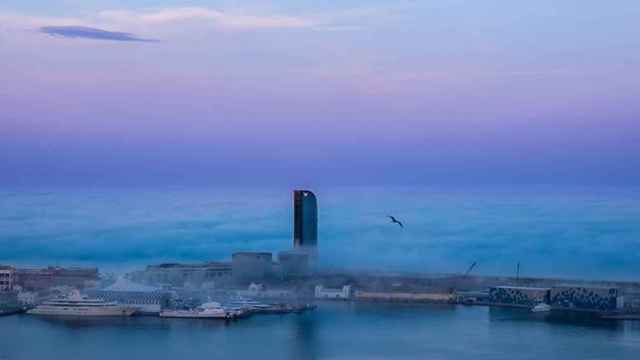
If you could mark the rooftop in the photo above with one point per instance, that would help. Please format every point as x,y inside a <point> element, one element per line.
<point>211,264</point>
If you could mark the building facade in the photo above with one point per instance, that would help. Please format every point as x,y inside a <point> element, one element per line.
<point>7,278</point>
<point>249,266</point>
<point>174,274</point>
<point>518,296</point>
<point>305,220</point>
<point>44,278</point>
<point>577,298</point>
<point>293,263</point>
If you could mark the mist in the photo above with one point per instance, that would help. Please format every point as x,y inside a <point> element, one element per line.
<point>552,231</point>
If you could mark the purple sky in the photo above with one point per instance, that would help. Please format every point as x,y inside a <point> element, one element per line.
<point>298,93</point>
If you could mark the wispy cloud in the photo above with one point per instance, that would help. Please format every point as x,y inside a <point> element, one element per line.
<point>85,32</point>
<point>143,21</point>
<point>215,17</point>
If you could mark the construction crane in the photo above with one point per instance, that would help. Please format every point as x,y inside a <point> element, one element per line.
<point>469,269</point>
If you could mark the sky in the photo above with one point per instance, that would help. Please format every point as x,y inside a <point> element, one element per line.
<point>315,93</point>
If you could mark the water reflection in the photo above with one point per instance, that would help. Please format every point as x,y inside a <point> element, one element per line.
<point>136,322</point>
<point>581,319</point>
<point>333,330</point>
<point>304,344</point>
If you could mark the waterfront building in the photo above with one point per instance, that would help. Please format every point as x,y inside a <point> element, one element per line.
<point>7,278</point>
<point>519,296</point>
<point>249,266</point>
<point>586,298</point>
<point>305,221</point>
<point>293,263</point>
<point>326,293</point>
<point>44,278</point>
<point>207,274</point>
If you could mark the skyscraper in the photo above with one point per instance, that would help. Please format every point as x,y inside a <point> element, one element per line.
<point>305,220</point>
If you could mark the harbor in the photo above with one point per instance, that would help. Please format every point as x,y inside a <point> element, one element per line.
<point>293,281</point>
<point>234,299</point>
<point>288,303</point>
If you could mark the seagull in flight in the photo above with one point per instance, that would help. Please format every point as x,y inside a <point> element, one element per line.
<point>395,221</point>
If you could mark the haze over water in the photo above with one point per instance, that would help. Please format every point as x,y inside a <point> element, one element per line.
<point>564,232</point>
<point>159,106</point>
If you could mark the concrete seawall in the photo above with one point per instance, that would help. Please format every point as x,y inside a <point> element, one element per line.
<point>403,297</point>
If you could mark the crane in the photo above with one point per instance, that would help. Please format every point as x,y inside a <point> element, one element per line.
<point>470,268</point>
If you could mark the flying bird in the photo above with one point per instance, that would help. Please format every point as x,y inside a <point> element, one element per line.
<point>395,221</point>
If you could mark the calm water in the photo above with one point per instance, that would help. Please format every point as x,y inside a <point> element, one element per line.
<point>333,331</point>
<point>575,232</point>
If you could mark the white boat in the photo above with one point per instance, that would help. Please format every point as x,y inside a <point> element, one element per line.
<point>209,310</point>
<point>541,307</point>
<point>76,304</point>
<point>250,304</point>
<point>242,307</point>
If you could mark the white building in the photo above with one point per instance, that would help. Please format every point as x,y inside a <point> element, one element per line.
<point>325,293</point>
<point>7,278</point>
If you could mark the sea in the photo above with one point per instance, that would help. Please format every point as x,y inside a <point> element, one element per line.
<point>333,331</point>
<point>562,232</point>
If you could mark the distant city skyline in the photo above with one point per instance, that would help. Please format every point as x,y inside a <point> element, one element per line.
<point>301,93</point>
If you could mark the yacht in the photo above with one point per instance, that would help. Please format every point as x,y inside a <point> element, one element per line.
<point>250,305</point>
<point>208,310</point>
<point>241,307</point>
<point>76,304</point>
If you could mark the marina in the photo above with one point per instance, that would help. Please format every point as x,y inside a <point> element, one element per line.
<point>293,308</point>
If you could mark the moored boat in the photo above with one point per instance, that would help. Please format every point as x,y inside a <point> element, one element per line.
<point>208,310</point>
<point>76,304</point>
<point>541,307</point>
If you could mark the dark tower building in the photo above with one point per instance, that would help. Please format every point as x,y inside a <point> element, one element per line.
<point>305,220</point>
